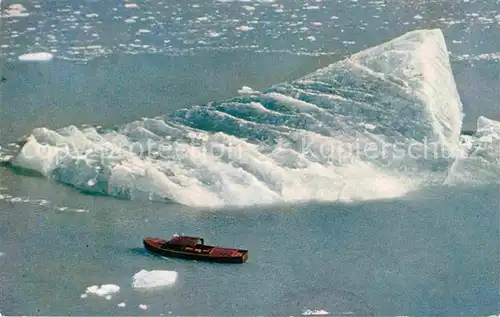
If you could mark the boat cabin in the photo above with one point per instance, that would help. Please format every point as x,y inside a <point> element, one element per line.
<point>187,243</point>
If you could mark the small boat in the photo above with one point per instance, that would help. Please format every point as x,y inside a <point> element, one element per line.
<point>194,248</point>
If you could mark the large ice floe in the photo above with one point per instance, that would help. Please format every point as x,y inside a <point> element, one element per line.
<point>378,124</point>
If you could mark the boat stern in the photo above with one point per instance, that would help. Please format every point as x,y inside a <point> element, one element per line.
<point>244,256</point>
<point>152,242</point>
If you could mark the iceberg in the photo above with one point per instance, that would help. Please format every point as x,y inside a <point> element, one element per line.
<point>378,124</point>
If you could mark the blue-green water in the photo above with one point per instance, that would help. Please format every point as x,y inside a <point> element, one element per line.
<point>430,250</point>
<point>430,254</point>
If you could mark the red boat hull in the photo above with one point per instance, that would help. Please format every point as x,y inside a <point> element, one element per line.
<point>199,252</point>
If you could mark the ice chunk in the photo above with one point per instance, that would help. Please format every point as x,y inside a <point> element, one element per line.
<point>479,160</point>
<point>14,10</point>
<point>310,312</point>
<point>143,306</point>
<point>40,56</point>
<point>103,291</point>
<point>148,280</point>
<point>244,28</point>
<point>122,304</point>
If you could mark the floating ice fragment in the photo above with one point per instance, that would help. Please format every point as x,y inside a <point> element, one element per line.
<point>104,290</point>
<point>39,56</point>
<point>310,312</point>
<point>244,28</point>
<point>153,279</point>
